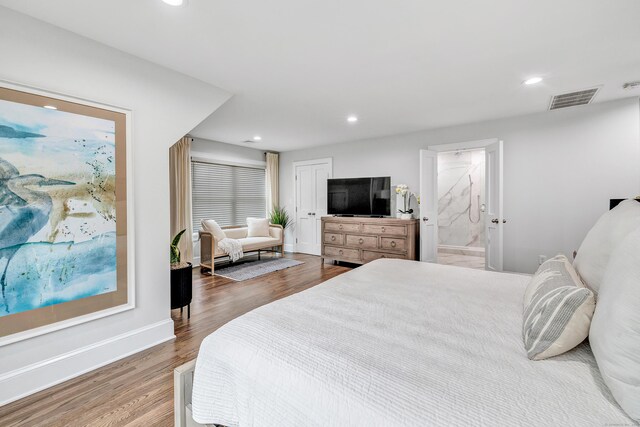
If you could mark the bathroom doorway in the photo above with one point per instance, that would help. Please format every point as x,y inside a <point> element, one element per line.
<point>467,197</point>
<point>462,207</point>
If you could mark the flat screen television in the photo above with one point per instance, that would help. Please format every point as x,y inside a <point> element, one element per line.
<point>359,196</point>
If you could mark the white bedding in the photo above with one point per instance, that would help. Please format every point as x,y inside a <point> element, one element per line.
<point>395,343</point>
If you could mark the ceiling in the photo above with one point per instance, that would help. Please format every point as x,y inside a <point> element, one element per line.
<point>299,67</point>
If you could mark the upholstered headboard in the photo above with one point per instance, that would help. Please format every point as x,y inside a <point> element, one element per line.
<point>615,202</point>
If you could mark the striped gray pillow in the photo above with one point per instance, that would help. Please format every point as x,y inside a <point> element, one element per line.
<point>557,310</point>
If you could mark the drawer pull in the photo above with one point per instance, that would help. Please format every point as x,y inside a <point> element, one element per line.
<point>333,238</point>
<point>393,244</point>
<point>340,227</point>
<point>383,229</point>
<point>360,240</point>
<point>340,252</point>
<point>383,256</point>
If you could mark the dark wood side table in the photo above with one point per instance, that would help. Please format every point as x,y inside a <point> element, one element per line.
<point>182,288</point>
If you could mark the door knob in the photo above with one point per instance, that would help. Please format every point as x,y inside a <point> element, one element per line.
<point>504,221</point>
<point>495,220</point>
<point>308,213</point>
<point>313,213</point>
<point>425,219</point>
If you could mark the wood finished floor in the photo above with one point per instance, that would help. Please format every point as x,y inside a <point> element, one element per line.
<point>138,390</point>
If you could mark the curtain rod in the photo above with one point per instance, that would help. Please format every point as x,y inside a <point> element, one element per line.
<point>264,152</point>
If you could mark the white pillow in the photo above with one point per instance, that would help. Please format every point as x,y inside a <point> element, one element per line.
<point>602,239</point>
<point>557,310</point>
<point>615,330</point>
<point>211,226</point>
<point>258,227</point>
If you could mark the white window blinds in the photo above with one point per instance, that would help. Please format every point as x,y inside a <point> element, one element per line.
<point>227,193</point>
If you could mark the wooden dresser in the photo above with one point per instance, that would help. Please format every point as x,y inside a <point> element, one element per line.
<point>360,240</point>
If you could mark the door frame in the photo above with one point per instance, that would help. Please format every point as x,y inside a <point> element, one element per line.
<point>325,160</point>
<point>467,145</point>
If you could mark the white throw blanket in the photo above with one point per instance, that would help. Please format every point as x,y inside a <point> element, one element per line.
<point>231,247</point>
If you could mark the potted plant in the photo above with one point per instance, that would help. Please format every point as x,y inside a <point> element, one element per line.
<point>403,190</point>
<point>279,216</point>
<point>181,281</point>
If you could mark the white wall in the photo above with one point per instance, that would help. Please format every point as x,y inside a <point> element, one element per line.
<point>561,168</point>
<point>166,105</point>
<point>215,150</point>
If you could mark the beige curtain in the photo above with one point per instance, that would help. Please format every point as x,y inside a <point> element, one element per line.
<point>180,190</point>
<point>272,181</point>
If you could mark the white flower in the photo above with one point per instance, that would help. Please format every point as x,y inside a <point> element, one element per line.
<point>402,189</point>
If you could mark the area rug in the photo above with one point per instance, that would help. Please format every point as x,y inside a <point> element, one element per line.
<point>251,269</point>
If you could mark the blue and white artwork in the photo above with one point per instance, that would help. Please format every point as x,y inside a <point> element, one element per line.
<point>57,207</point>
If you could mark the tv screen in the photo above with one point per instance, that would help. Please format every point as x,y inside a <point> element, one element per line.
<point>359,196</point>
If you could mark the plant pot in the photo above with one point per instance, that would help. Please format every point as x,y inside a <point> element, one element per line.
<point>406,216</point>
<point>181,287</point>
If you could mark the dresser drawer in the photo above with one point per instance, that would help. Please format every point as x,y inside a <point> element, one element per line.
<point>395,230</point>
<point>334,239</point>
<point>342,253</point>
<point>367,242</point>
<point>335,226</point>
<point>393,243</point>
<point>371,256</point>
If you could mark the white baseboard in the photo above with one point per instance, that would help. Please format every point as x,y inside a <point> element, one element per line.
<point>22,382</point>
<point>196,262</point>
<point>288,247</point>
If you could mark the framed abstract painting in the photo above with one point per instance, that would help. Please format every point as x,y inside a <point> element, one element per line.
<point>66,213</point>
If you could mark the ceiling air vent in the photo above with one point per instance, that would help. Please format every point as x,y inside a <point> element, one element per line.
<point>571,99</point>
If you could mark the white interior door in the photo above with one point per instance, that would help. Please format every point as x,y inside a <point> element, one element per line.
<point>428,206</point>
<point>321,173</point>
<point>305,203</point>
<point>311,204</point>
<point>495,215</point>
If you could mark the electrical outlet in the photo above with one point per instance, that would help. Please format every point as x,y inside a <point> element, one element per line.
<point>541,259</point>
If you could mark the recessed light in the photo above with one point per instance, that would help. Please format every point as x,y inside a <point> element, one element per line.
<point>352,119</point>
<point>532,80</point>
<point>50,107</point>
<point>257,138</point>
<point>174,2</point>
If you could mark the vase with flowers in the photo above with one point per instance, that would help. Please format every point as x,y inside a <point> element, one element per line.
<point>403,190</point>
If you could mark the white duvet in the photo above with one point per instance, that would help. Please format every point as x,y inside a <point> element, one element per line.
<point>395,343</point>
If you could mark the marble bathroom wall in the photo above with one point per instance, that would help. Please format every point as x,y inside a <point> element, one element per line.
<point>461,198</point>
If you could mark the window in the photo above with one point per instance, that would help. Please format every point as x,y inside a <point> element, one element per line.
<point>227,193</point>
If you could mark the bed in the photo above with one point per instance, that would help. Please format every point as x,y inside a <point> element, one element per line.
<point>393,342</point>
